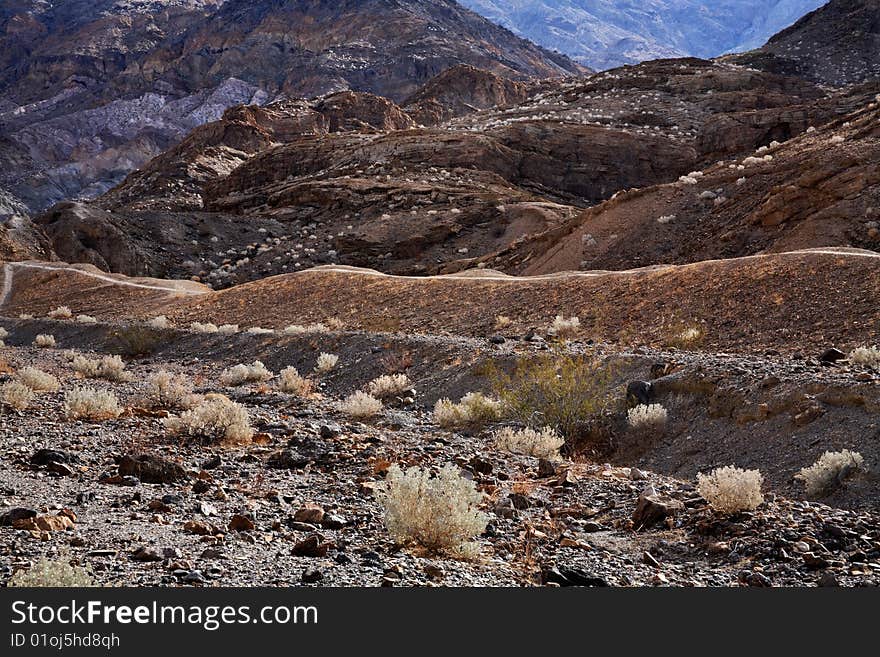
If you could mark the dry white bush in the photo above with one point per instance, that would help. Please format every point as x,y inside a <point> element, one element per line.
<point>297,329</point>
<point>86,319</point>
<point>473,409</point>
<point>389,385</point>
<point>647,417</point>
<point>159,322</point>
<point>44,341</point>
<point>3,333</point>
<point>690,335</point>
<point>25,316</point>
<point>241,374</point>
<point>111,368</point>
<point>326,362</point>
<point>16,395</point>
<point>228,329</point>
<point>52,573</point>
<point>38,380</point>
<point>167,390</point>
<point>502,322</point>
<point>564,328</point>
<point>61,312</point>
<point>293,384</point>
<point>258,330</point>
<point>91,404</point>
<point>335,324</point>
<point>216,418</point>
<point>199,327</point>
<point>360,405</point>
<point>543,444</point>
<point>867,356</point>
<point>731,489</point>
<point>830,471</point>
<point>440,514</point>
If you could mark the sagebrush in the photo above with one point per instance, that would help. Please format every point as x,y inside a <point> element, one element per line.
<point>731,489</point>
<point>214,419</point>
<point>830,471</point>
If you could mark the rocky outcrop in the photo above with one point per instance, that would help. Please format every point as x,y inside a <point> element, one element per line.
<point>838,44</point>
<point>90,91</point>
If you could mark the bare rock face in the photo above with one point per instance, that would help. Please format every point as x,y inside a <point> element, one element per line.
<point>90,91</point>
<point>462,90</point>
<point>838,44</point>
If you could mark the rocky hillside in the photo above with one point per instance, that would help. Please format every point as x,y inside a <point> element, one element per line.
<point>350,179</point>
<point>838,44</point>
<point>604,34</point>
<point>90,91</point>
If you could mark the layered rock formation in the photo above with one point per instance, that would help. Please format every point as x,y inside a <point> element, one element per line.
<point>90,91</point>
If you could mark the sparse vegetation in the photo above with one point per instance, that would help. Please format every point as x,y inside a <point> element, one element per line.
<point>293,384</point>
<point>830,471</point>
<point>38,380</point>
<point>502,322</point>
<point>44,341</point>
<point>159,322</point>
<point>215,419</point>
<point>558,390</point>
<point>326,362</point>
<point>110,368</point>
<point>563,328</point>
<point>167,390</point>
<point>360,406</point>
<point>228,329</point>
<point>731,489</point>
<point>474,410</point>
<point>647,417</point>
<point>16,395</point>
<point>544,443</point>
<point>61,312</point>
<point>86,319</point>
<point>199,327</point>
<point>136,340</point>
<point>297,329</point>
<point>258,330</point>
<point>51,573</point>
<point>91,404</point>
<point>866,356</point>
<point>439,514</point>
<point>389,385</point>
<point>241,374</point>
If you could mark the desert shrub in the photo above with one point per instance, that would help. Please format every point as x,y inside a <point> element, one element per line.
<point>136,340</point>
<point>214,419</point>
<point>389,385</point>
<point>86,319</point>
<point>228,329</point>
<point>297,329</point>
<point>326,362</point>
<point>543,444</point>
<point>293,384</point>
<point>90,404</point>
<point>360,405</point>
<point>51,573</point>
<point>38,380</point>
<point>167,390</point>
<point>830,471</point>
<point>241,374</point>
<point>16,395</point>
<point>648,417</point>
<point>3,333</point>
<point>61,312</point>
<point>731,489</point>
<point>335,324</point>
<point>110,368</point>
<point>502,322</point>
<point>25,316</point>
<point>475,409</point>
<point>557,390</point>
<point>563,328</point>
<point>45,341</point>
<point>439,513</point>
<point>258,330</point>
<point>867,356</point>
<point>159,322</point>
<point>198,327</point>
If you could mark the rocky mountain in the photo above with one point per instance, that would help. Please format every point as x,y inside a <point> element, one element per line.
<point>837,45</point>
<point>604,34</point>
<point>90,91</point>
<point>351,179</point>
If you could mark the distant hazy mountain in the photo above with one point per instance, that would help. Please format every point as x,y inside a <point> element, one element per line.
<point>608,33</point>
